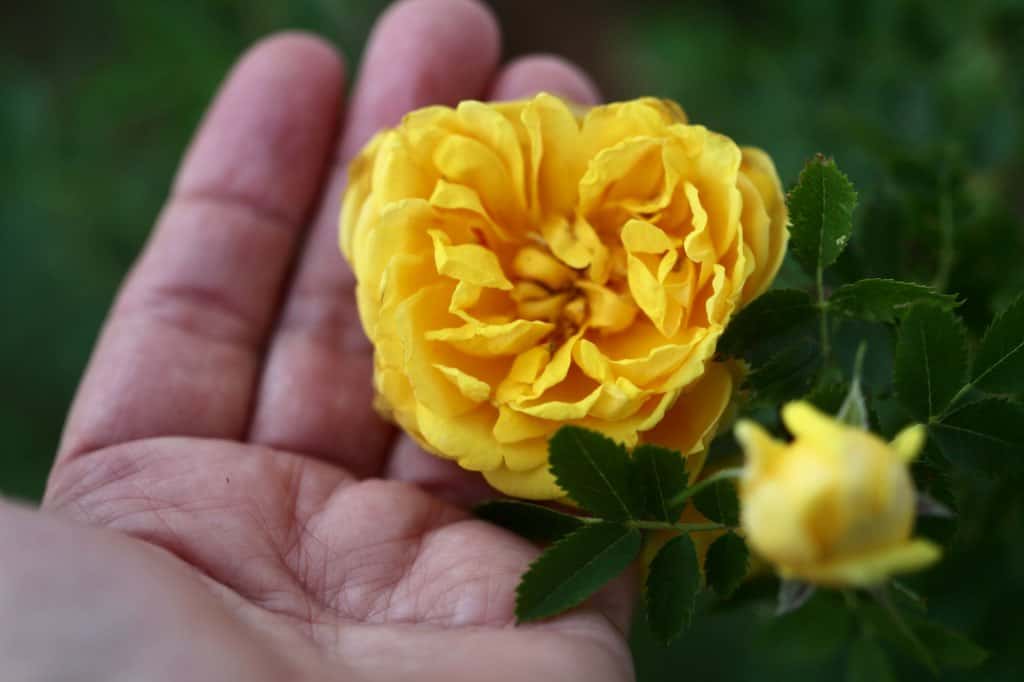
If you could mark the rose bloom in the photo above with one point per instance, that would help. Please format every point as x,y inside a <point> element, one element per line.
<point>526,265</point>
<point>835,506</point>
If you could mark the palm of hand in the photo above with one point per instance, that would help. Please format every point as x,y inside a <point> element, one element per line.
<point>233,433</point>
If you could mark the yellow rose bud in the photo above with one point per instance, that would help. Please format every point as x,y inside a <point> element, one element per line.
<point>835,506</point>
<point>525,265</point>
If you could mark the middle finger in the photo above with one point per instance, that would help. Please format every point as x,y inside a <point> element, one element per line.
<point>316,393</point>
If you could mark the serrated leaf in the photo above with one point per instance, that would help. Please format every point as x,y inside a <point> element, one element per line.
<point>950,648</point>
<point>595,471</point>
<point>531,521</point>
<point>574,568</point>
<point>673,581</point>
<point>726,563</point>
<point>775,312</point>
<point>884,300</point>
<point>931,361</point>
<point>999,366</point>
<point>987,434</point>
<point>787,375</point>
<point>867,662</point>
<point>719,503</point>
<point>821,208</point>
<point>661,476</point>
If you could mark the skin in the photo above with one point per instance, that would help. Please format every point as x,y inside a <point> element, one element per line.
<point>225,504</point>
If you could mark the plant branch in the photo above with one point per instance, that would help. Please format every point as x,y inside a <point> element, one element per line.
<point>722,475</point>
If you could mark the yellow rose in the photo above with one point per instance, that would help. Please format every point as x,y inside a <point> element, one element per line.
<point>525,265</point>
<point>835,506</point>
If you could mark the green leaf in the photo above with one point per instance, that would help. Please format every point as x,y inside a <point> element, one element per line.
<point>884,300</point>
<point>809,635</point>
<point>531,521</point>
<point>575,568</point>
<point>999,366</point>
<point>950,648</point>
<point>595,471</point>
<point>661,476</point>
<point>931,361</point>
<point>673,582</point>
<point>821,208</point>
<point>787,375</point>
<point>828,396</point>
<point>719,503</point>
<point>867,662</point>
<point>726,563</point>
<point>987,434</point>
<point>775,312</point>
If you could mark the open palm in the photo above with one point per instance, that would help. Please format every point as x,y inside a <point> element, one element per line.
<point>269,526</point>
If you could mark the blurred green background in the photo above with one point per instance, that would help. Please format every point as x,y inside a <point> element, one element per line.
<point>921,102</point>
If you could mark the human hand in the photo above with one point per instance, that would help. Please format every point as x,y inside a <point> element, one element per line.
<point>268,525</point>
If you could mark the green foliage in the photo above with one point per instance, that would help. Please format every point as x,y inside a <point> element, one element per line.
<point>787,375</point>
<point>771,314</point>
<point>532,521</point>
<point>673,581</point>
<point>999,367</point>
<point>884,300</point>
<point>988,433</point>
<point>931,361</point>
<point>821,210</point>
<point>661,474</point>
<point>866,662</point>
<point>726,563</point>
<point>951,649</point>
<point>719,503</point>
<point>595,471</point>
<point>574,568</point>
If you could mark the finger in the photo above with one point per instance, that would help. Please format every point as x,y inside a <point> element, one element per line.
<point>316,391</point>
<point>529,75</point>
<point>180,352</point>
<point>440,477</point>
<point>521,78</point>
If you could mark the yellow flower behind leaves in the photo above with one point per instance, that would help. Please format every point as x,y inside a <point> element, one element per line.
<point>526,265</point>
<point>834,507</point>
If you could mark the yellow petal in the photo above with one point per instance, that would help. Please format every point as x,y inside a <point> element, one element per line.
<point>534,264</point>
<point>760,170</point>
<point>470,263</point>
<point>533,484</point>
<point>609,312</point>
<point>803,420</point>
<point>694,416</point>
<point>909,442</point>
<point>555,156</point>
<point>871,568</point>
<point>523,373</point>
<point>466,439</point>
<point>468,385</point>
<point>513,426</point>
<point>639,236</point>
<point>488,340</point>
<point>556,410</point>
<point>464,200</point>
<point>758,446</point>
